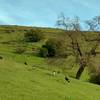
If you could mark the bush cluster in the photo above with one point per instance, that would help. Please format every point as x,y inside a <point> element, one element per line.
<point>33,35</point>
<point>53,47</point>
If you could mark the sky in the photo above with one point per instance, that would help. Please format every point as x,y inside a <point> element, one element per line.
<point>43,13</point>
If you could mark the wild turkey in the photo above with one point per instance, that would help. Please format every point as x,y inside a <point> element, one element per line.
<point>25,63</point>
<point>67,79</point>
<point>1,57</point>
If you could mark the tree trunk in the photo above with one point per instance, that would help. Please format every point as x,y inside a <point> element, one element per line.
<point>81,69</point>
<point>79,72</point>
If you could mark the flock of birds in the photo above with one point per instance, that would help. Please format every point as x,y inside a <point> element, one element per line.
<point>54,72</point>
<point>66,77</point>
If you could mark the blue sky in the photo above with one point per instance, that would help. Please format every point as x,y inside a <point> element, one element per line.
<point>44,12</point>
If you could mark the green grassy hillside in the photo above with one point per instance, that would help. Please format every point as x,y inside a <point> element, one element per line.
<point>36,81</point>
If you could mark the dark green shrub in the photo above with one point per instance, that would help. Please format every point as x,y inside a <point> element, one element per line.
<point>94,71</point>
<point>55,47</point>
<point>43,52</point>
<point>95,78</point>
<point>52,45</point>
<point>33,35</point>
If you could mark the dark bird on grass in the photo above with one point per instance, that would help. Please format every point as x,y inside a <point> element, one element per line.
<point>1,57</point>
<point>67,79</point>
<point>25,63</point>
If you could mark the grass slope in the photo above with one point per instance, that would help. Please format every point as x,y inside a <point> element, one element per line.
<point>35,80</point>
<point>21,82</point>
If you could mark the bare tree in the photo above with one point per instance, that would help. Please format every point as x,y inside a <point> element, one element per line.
<point>90,24</point>
<point>94,23</point>
<point>76,24</point>
<point>63,21</point>
<point>79,43</point>
<point>68,23</point>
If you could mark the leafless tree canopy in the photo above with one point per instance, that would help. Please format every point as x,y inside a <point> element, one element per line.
<point>79,46</point>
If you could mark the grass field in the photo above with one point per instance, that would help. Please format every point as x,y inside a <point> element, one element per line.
<point>35,81</point>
